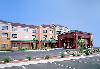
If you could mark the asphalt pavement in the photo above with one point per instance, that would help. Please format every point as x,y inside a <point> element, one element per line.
<point>35,54</point>
<point>82,63</point>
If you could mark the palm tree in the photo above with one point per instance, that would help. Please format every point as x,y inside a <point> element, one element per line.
<point>35,40</point>
<point>53,41</point>
<point>82,44</point>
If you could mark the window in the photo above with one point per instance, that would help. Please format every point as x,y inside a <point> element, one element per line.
<point>51,31</point>
<point>33,31</point>
<point>4,27</point>
<point>44,31</point>
<point>14,35</point>
<point>34,36</point>
<point>45,37</point>
<point>60,28</point>
<point>58,32</point>
<point>14,29</point>
<point>26,29</point>
<point>65,29</point>
<point>51,37</point>
<point>4,45</point>
<point>4,34</point>
<point>14,45</point>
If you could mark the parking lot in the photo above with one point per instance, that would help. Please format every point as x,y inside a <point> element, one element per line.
<point>36,54</point>
<point>82,63</point>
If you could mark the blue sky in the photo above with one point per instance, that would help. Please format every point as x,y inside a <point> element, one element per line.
<point>76,14</point>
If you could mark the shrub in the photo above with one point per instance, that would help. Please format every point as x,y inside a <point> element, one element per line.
<point>73,54</point>
<point>43,47</point>
<point>78,54</point>
<point>98,50</point>
<point>91,53</point>
<point>47,57</point>
<point>23,49</point>
<point>29,58</point>
<point>6,60</point>
<point>86,52</point>
<point>62,55</point>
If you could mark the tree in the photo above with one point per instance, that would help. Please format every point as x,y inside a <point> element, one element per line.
<point>34,42</point>
<point>35,39</point>
<point>82,44</point>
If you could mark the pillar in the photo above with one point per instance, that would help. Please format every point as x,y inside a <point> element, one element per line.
<point>75,41</point>
<point>68,46</point>
<point>20,45</point>
<point>67,43</point>
<point>62,43</point>
<point>11,44</point>
<point>92,43</point>
<point>89,42</point>
<point>30,45</point>
<point>48,45</point>
<point>40,44</point>
<point>59,43</point>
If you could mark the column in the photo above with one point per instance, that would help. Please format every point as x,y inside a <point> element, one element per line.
<point>62,43</point>
<point>20,45</point>
<point>89,42</point>
<point>67,44</point>
<point>30,46</point>
<point>11,44</point>
<point>75,41</point>
<point>59,43</point>
<point>40,44</point>
<point>48,45</point>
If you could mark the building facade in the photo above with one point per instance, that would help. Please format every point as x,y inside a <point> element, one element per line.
<point>15,36</point>
<point>21,36</point>
<point>5,33</point>
<point>59,29</point>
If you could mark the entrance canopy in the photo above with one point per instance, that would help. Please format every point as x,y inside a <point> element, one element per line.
<point>70,39</point>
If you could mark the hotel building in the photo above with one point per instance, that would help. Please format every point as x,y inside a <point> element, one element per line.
<point>21,36</point>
